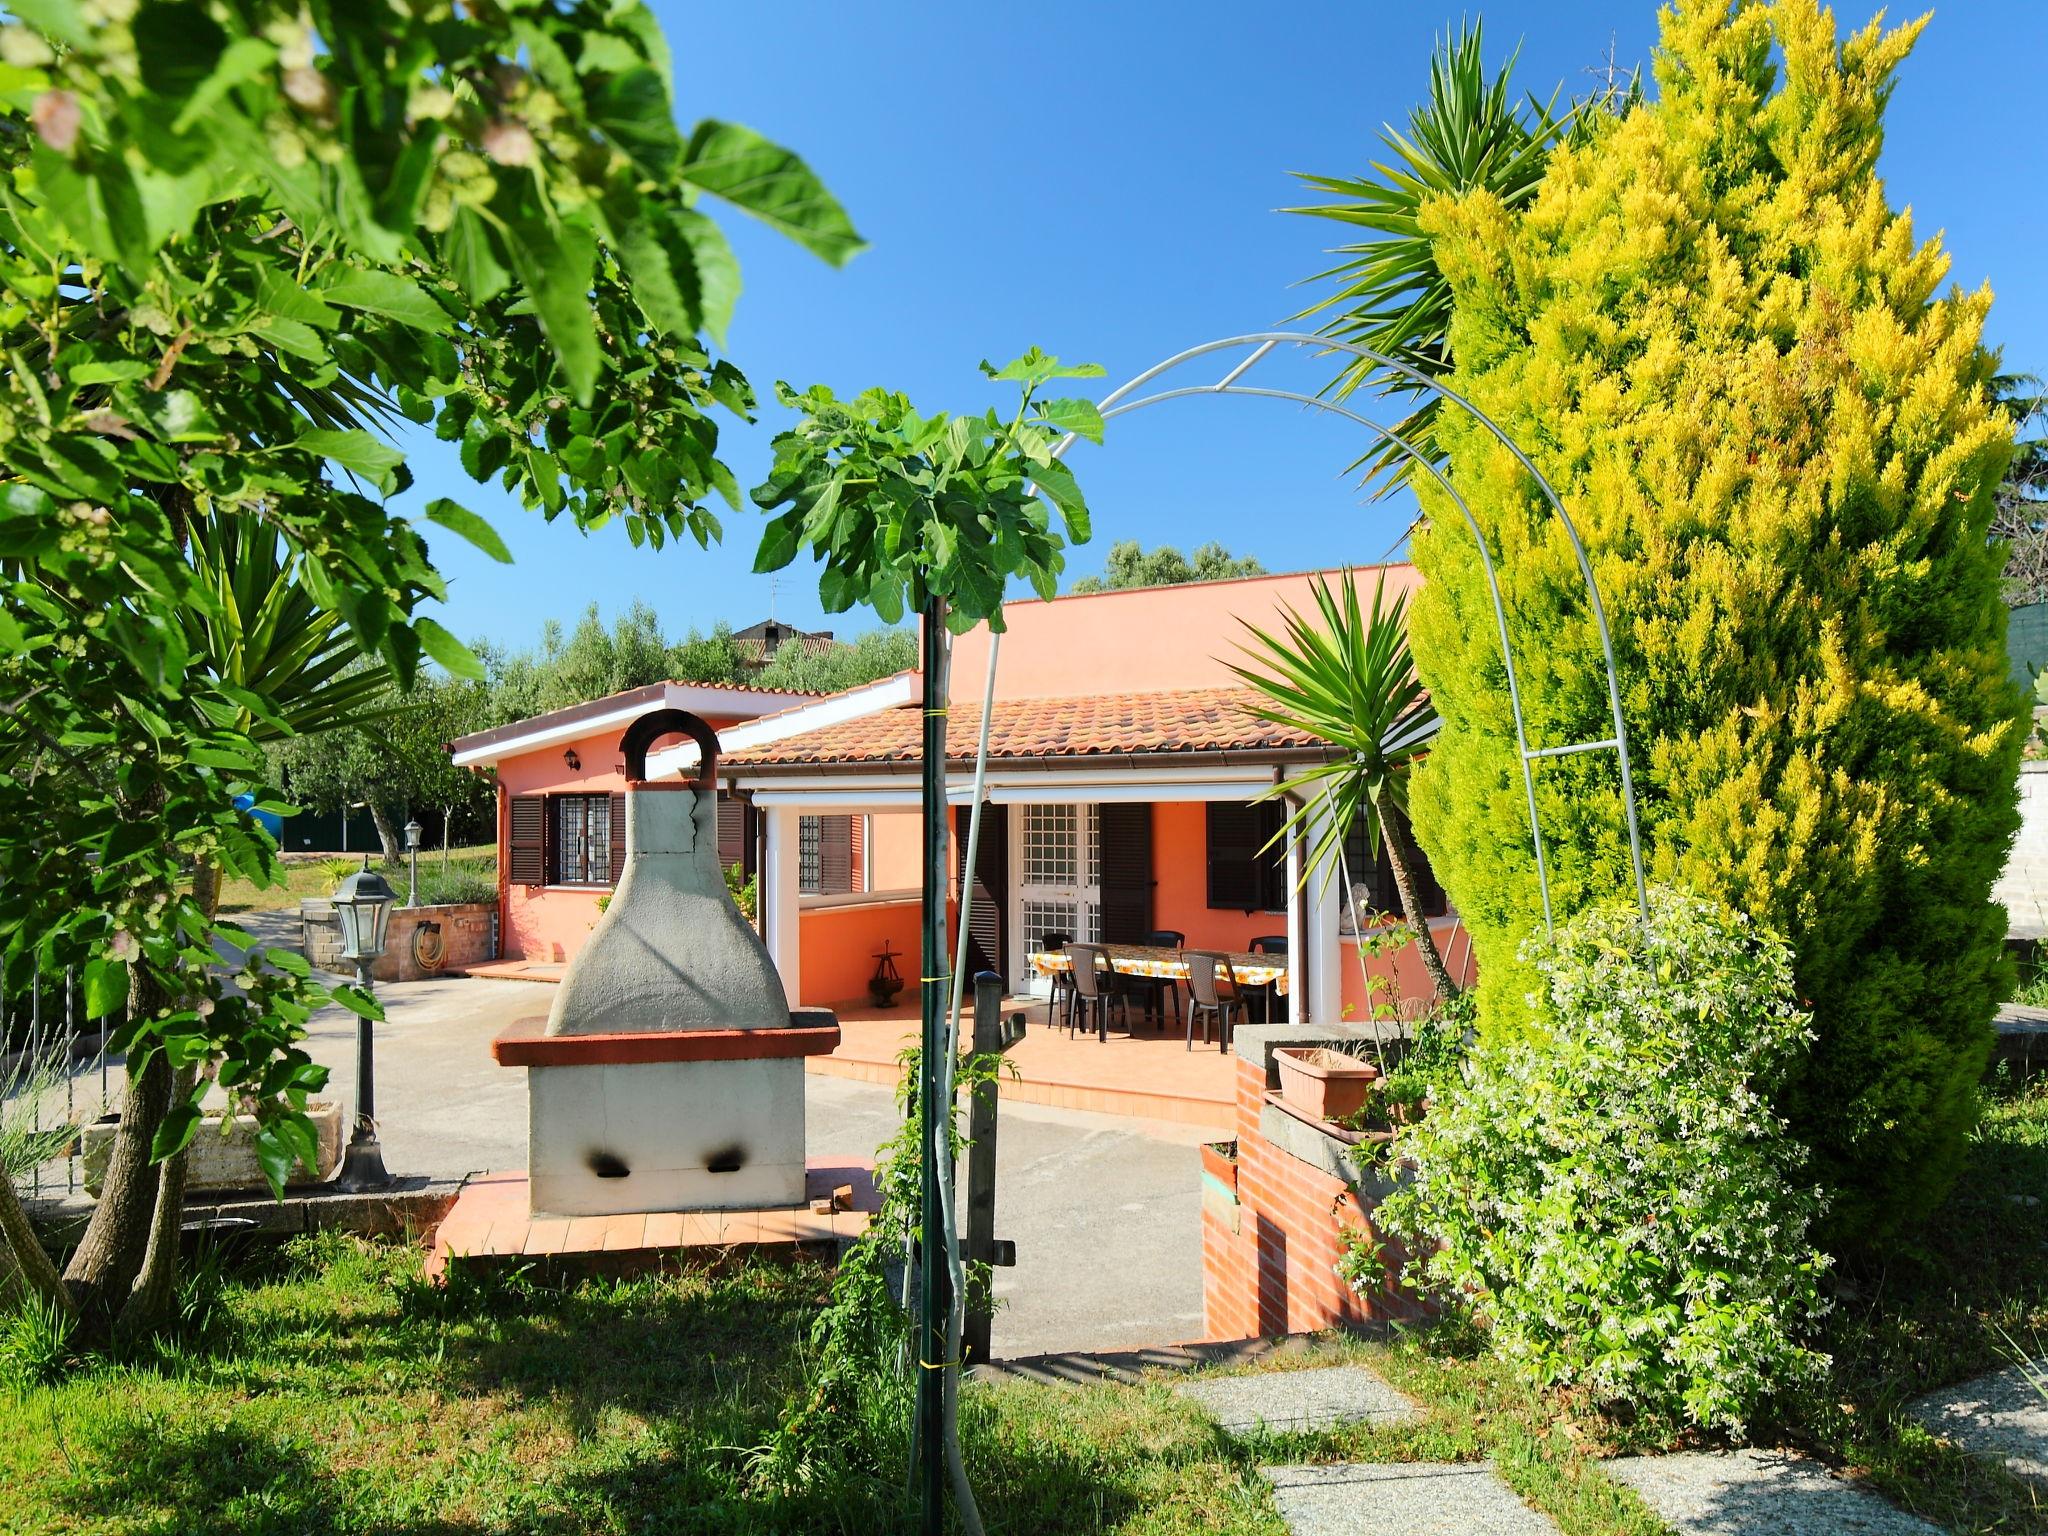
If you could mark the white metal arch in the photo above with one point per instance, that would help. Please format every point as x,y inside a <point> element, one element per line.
<point>1119,402</point>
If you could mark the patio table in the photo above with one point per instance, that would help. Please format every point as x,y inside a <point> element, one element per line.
<point>1167,964</point>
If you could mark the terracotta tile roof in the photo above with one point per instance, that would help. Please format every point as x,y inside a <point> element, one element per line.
<point>1115,724</point>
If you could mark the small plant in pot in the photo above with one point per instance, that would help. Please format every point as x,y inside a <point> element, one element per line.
<point>1322,1083</point>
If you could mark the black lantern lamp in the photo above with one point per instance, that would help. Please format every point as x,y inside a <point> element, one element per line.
<point>362,905</point>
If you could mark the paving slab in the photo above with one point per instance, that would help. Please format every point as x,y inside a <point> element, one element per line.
<point>2004,1415</point>
<point>1315,1399</point>
<point>1759,1493</point>
<point>1420,1498</point>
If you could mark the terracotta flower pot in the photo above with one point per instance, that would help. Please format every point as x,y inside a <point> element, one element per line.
<point>1324,1083</point>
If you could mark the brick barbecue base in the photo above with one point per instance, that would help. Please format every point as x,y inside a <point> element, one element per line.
<point>1276,1205</point>
<point>491,1228</point>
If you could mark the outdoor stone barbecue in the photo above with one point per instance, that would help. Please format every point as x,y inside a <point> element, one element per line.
<point>668,1075</point>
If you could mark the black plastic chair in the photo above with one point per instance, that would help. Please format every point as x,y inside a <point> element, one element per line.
<point>1274,944</point>
<point>1096,990</point>
<point>1154,989</point>
<point>1062,983</point>
<point>1207,997</point>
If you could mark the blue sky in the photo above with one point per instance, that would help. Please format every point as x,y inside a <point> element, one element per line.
<point>1101,180</point>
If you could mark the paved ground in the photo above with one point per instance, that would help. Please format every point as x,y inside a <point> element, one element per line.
<point>1105,1212</point>
<point>2004,1415</point>
<point>1313,1399</point>
<point>1417,1498</point>
<point>1759,1493</point>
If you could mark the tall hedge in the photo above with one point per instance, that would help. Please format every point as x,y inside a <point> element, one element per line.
<point>1727,352</point>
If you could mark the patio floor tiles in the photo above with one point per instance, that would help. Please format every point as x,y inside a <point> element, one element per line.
<point>1758,1493</point>
<point>1312,1399</point>
<point>1417,1498</point>
<point>2003,1415</point>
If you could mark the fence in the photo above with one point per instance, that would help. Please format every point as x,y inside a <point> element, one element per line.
<point>43,1030</point>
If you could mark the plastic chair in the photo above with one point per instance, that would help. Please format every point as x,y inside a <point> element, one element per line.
<point>1207,996</point>
<point>1096,989</point>
<point>1154,989</point>
<point>1062,982</point>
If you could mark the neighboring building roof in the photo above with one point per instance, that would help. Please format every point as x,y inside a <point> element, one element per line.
<point>556,726</point>
<point>759,642</point>
<point>1094,726</point>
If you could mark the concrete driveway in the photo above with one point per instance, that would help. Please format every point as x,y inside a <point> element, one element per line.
<point>1105,1212</point>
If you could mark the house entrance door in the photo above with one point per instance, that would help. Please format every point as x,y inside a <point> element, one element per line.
<point>1058,859</point>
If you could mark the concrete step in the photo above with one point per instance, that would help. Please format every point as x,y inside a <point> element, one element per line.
<point>1759,1493</point>
<point>2003,1415</point>
<point>1298,1400</point>
<point>1402,1499</point>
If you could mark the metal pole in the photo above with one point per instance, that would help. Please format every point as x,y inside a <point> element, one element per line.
<point>362,1168</point>
<point>981,1166</point>
<point>930,1336</point>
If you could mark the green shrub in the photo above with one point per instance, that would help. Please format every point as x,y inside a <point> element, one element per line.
<point>1735,363</point>
<point>462,880</point>
<point>1615,1197</point>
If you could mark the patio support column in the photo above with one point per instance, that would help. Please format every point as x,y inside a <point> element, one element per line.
<point>1297,938</point>
<point>778,896</point>
<point>1324,901</point>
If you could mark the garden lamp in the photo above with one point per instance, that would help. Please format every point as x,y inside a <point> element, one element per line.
<point>412,854</point>
<point>362,906</point>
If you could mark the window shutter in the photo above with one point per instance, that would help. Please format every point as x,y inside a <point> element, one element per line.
<point>526,854</point>
<point>857,842</point>
<point>1269,817</point>
<point>732,831</point>
<point>618,866</point>
<point>988,927</point>
<point>835,855</point>
<point>1126,832</point>
<point>1235,884</point>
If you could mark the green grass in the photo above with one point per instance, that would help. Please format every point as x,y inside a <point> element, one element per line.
<point>472,870</point>
<point>330,1390</point>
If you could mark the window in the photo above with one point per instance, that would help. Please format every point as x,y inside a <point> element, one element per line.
<point>581,846</point>
<point>825,855</point>
<point>1245,876</point>
<point>1372,874</point>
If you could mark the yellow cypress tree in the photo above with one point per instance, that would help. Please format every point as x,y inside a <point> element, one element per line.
<point>1729,354</point>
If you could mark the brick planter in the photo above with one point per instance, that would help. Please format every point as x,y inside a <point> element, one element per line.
<point>461,934</point>
<point>1275,1207</point>
<point>219,1162</point>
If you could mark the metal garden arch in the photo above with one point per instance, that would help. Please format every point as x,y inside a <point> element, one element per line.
<point>1119,402</point>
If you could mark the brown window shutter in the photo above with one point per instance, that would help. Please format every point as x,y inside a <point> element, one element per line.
<point>835,855</point>
<point>526,854</point>
<point>1235,884</point>
<point>618,838</point>
<point>858,844</point>
<point>988,927</point>
<point>1126,833</point>
<point>732,831</point>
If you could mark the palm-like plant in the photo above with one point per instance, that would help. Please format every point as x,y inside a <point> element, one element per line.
<point>1390,294</point>
<point>1349,680</point>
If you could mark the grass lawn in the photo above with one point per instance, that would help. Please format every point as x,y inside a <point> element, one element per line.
<point>333,1391</point>
<point>300,878</point>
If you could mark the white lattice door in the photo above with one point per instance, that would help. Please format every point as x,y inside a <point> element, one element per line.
<point>1058,859</point>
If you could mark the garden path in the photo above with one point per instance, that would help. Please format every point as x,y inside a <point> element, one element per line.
<point>2003,1415</point>
<point>1759,1493</point>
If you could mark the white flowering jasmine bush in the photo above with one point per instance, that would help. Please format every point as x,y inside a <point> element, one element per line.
<point>1613,1196</point>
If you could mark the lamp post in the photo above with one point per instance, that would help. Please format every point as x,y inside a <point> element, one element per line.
<point>412,854</point>
<point>362,905</point>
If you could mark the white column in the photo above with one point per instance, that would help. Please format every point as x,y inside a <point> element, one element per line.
<point>779,891</point>
<point>1325,943</point>
<point>1297,941</point>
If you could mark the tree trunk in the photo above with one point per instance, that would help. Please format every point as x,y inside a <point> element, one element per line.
<point>110,1256</point>
<point>387,834</point>
<point>149,1303</point>
<point>23,1259</point>
<point>1404,883</point>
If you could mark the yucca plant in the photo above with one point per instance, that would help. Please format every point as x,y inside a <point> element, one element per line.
<point>1349,680</point>
<point>1389,294</point>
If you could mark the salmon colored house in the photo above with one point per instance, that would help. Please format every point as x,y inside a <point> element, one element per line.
<point>1122,775</point>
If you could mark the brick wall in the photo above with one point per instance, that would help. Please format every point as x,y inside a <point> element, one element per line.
<point>1274,1208</point>
<point>467,934</point>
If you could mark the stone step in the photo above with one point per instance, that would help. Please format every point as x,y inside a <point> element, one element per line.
<point>1298,1400</point>
<point>1402,1499</point>
<point>2003,1415</point>
<point>1758,1493</point>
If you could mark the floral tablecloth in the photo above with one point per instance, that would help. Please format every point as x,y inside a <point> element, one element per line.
<point>1168,964</point>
